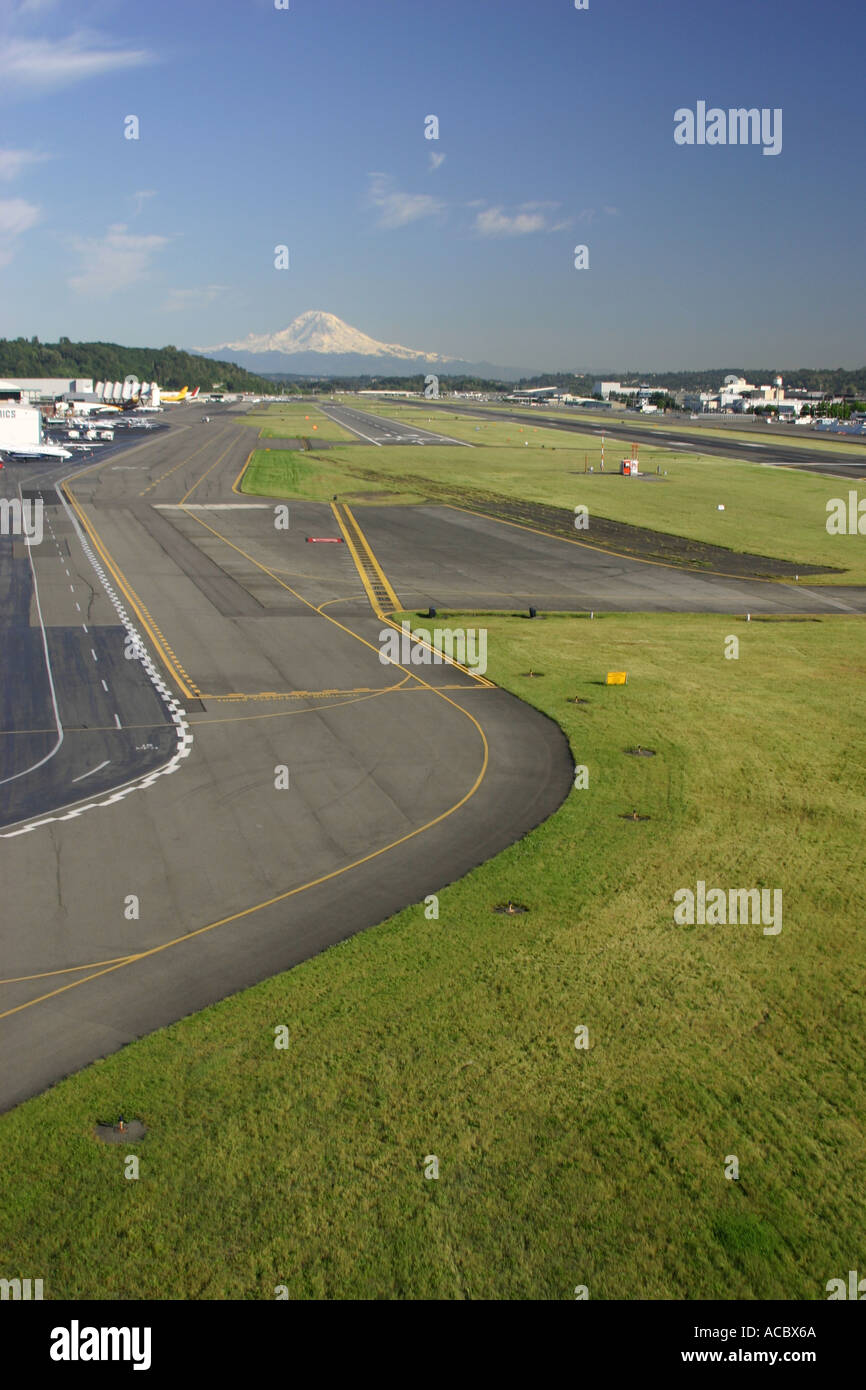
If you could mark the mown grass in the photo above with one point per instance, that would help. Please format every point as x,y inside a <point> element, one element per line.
<point>288,473</point>
<point>290,421</point>
<point>455,1036</point>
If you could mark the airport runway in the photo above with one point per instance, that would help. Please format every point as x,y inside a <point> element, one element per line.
<point>770,450</point>
<point>288,787</point>
<point>375,429</point>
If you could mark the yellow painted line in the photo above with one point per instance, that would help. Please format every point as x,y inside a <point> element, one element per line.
<point>377,607</point>
<point>66,970</point>
<point>304,694</point>
<point>235,487</point>
<point>449,660</point>
<point>207,470</point>
<point>189,458</point>
<point>362,575</point>
<point>167,656</point>
<point>392,597</point>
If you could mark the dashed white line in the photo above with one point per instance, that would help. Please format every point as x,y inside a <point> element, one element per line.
<point>117,721</point>
<point>104,686</point>
<point>93,654</point>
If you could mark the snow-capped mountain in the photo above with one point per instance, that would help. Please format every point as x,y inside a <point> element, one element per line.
<point>316,331</point>
<point>317,343</point>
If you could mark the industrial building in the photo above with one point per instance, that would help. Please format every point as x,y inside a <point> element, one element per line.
<point>42,390</point>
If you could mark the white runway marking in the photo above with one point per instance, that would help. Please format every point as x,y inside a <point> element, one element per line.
<point>57,722</point>
<point>92,770</point>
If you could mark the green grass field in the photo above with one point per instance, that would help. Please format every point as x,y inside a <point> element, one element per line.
<point>289,421</point>
<point>288,473</point>
<point>455,1037</point>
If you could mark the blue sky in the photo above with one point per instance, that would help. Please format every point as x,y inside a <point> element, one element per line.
<point>305,127</point>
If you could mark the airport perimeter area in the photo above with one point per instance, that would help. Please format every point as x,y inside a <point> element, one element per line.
<point>228,806</point>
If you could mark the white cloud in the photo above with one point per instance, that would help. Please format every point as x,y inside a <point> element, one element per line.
<point>114,262</point>
<point>13,161</point>
<point>436,160</point>
<point>399,209</point>
<point>495,222</point>
<point>16,218</point>
<point>39,64</point>
<point>193,298</point>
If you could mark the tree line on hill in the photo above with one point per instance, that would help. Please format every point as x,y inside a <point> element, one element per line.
<point>169,366</point>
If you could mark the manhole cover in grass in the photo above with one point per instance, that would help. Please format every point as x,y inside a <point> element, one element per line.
<point>632,815</point>
<point>124,1132</point>
<point>510,909</point>
<point>641,752</point>
<point>532,675</point>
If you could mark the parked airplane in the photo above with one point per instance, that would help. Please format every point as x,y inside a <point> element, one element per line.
<point>174,397</point>
<point>36,451</point>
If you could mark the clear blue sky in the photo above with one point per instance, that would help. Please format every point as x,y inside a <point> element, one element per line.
<point>305,126</point>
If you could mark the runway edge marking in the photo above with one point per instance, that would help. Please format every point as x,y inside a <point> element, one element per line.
<point>178,715</point>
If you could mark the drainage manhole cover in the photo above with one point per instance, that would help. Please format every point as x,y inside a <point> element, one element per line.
<point>124,1132</point>
<point>641,752</point>
<point>510,909</point>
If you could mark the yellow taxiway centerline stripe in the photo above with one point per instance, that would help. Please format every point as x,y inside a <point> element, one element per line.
<point>189,458</point>
<point>235,487</point>
<point>172,666</point>
<point>207,470</point>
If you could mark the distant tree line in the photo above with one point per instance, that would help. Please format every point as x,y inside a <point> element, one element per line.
<point>168,366</point>
<point>832,381</point>
<point>309,384</point>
